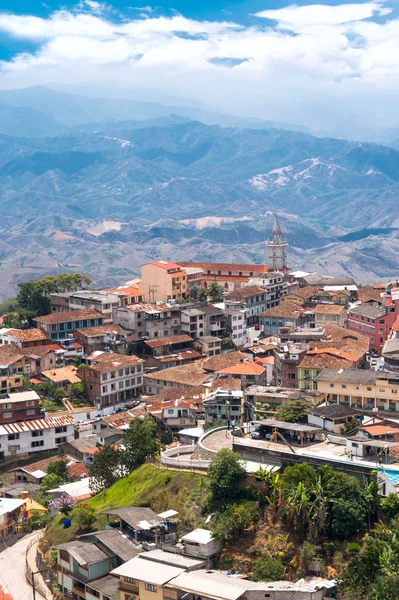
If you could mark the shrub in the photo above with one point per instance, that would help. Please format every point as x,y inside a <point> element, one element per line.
<point>354,548</point>
<point>267,568</point>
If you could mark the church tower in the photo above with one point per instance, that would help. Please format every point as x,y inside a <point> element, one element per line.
<point>277,249</point>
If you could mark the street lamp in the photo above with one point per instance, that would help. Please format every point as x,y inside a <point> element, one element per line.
<point>228,416</point>
<point>33,582</point>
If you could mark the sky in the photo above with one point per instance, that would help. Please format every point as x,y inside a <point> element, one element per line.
<point>312,64</point>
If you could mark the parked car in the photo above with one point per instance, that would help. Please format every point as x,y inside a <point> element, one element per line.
<point>257,327</point>
<point>373,362</point>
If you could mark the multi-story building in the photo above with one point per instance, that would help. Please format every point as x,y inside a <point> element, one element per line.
<point>11,511</point>
<point>83,565</point>
<point>104,337</point>
<point>224,406</point>
<point>61,326</point>
<point>249,373</point>
<point>201,319</point>
<point>264,399</point>
<point>183,376</point>
<point>175,414</point>
<point>129,294</point>
<point>12,368</point>
<point>287,358</point>
<point>101,301</point>
<point>315,361</point>
<point>23,338</point>
<point>149,321</point>
<point>287,313</point>
<point>274,283</point>
<point>208,345</point>
<point>334,314</point>
<point>227,275</point>
<point>163,353</point>
<point>20,406</point>
<point>236,325</point>
<point>360,388</point>
<point>253,299</point>
<point>374,321</point>
<point>111,379</point>
<point>163,280</point>
<point>18,440</point>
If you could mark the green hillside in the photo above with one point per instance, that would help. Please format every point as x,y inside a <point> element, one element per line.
<point>147,486</point>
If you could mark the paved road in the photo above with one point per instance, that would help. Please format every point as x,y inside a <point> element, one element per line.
<point>12,570</point>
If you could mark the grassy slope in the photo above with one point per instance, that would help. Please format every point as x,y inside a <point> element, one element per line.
<point>147,486</point>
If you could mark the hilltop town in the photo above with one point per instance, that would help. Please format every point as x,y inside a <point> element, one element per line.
<point>165,433</point>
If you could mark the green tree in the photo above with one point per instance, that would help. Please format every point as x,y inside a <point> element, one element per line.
<point>385,588</point>
<point>267,568</point>
<point>59,468</point>
<point>84,516</point>
<point>106,468</point>
<point>295,411</point>
<point>215,292</point>
<point>234,519</point>
<point>76,391</point>
<point>202,293</point>
<point>140,442</point>
<point>193,291</point>
<point>224,474</point>
<point>34,296</point>
<point>307,554</point>
<point>390,505</point>
<point>50,482</point>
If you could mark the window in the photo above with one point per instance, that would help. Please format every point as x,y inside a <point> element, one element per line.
<point>170,411</point>
<point>120,372</point>
<point>31,412</point>
<point>121,385</point>
<point>343,385</point>
<point>60,440</point>
<point>64,555</point>
<point>7,415</point>
<point>104,376</point>
<point>61,429</point>
<point>381,390</point>
<point>395,391</point>
<point>31,402</point>
<point>112,387</point>
<point>150,587</point>
<point>105,389</point>
<point>37,443</point>
<point>132,370</point>
<point>37,433</point>
<point>94,592</point>
<point>332,385</point>
<point>13,436</point>
<point>130,580</point>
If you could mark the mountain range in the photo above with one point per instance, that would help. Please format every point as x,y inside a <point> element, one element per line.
<point>105,195</point>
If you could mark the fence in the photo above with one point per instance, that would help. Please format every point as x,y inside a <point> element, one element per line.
<point>172,458</point>
<point>336,439</point>
<point>45,578</point>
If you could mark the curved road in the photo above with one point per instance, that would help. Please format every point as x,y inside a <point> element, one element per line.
<point>12,569</point>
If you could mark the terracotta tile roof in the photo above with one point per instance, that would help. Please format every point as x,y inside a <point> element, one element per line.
<point>101,330</point>
<point>108,361</point>
<point>329,309</point>
<point>157,407</point>
<point>38,351</point>
<point>172,339</point>
<point>286,310</point>
<point>266,360</point>
<point>324,361</point>
<point>334,352</point>
<point>222,361</point>
<point>233,382</point>
<point>28,335</point>
<point>119,420</point>
<point>165,264</point>
<point>55,347</point>
<point>67,373</point>
<point>77,469</point>
<point>151,308</point>
<point>244,368</point>
<point>306,292</point>
<point>225,266</point>
<point>365,294</point>
<point>127,290</point>
<point>10,354</point>
<point>246,292</point>
<point>191,374</point>
<point>69,316</point>
<point>380,429</point>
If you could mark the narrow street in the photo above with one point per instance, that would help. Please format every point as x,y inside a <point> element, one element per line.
<point>12,570</point>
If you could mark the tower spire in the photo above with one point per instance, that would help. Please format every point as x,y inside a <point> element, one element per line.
<point>276,231</point>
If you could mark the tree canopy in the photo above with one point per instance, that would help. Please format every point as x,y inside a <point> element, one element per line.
<point>140,442</point>
<point>295,411</point>
<point>224,474</point>
<point>106,469</point>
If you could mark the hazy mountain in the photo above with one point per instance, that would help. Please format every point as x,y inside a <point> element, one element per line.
<point>68,110</point>
<point>105,201</point>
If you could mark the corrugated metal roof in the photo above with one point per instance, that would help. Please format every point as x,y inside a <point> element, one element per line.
<point>36,424</point>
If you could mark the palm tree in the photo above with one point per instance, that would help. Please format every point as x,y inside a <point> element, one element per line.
<point>318,510</point>
<point>298,505</point>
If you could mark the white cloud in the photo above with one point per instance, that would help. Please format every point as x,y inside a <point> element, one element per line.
<point>306,64</point>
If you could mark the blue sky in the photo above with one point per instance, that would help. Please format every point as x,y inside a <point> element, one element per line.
<point>305,63</point>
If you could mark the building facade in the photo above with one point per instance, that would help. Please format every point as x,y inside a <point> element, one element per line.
<point>374,321</point>
<point>277,249</point>
<point>20,406</point>
<point>101,301</point>
<point>149,321</point>
<point>162,280</point>
<point>61,326</point>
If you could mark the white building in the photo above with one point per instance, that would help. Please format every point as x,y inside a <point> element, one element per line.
<point>200,543</point>
<point>37,435</point>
